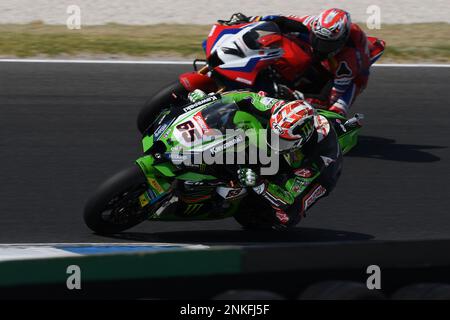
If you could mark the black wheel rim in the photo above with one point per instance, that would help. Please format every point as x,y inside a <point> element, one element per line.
<point>125,207</point>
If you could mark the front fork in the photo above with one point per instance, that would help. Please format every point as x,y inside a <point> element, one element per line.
<point>199,79</point>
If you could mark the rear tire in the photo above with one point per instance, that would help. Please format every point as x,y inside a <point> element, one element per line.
<point>154,105</point>
<point>119,197</point>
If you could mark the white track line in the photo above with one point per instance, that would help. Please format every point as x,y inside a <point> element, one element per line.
<point>23,251</point>
<point>170,62</point>
<point>412,65</point>
<point>162,62</point>
<point>9,253</point>
<point>93,244</point>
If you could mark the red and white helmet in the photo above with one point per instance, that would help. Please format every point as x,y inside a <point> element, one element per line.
<point>330,31</point>
<point>291,125</point>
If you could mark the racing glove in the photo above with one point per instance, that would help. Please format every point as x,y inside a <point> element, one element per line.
<point>247,177</point>
<point>287,93</point>
<point>236,18</point>
<point>196,95</point>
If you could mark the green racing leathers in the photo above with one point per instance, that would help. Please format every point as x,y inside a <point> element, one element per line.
<point>304,175</point>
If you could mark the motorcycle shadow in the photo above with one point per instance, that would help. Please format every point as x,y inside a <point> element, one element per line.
<point>388,149</point>
<point>298,234</point>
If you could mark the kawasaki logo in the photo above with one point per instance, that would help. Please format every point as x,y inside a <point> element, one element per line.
<point>200,103</point>
<point>235,140</point>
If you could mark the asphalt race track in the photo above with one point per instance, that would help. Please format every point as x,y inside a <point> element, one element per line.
<point>64,128</point>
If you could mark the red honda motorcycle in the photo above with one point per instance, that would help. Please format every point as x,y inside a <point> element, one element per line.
<point>254,56</point>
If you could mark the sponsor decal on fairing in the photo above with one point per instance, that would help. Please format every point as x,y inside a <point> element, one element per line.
<point>159,131</point>
<point>200,103</point>
<point>282,216</point>
<point>303,173</point>
<point>317,192</point>
<point>228,144</point>
<point>230,193</point>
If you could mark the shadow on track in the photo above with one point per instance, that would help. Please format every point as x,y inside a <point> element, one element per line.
<point>387,149</point>
<point>242,236</point>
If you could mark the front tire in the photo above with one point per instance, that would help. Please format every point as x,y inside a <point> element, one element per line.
<point>115,205</point>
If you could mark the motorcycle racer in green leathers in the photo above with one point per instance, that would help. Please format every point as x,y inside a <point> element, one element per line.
<point>309,151</point>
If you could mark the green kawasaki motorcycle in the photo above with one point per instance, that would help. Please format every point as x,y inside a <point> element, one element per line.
<point>163,185</point>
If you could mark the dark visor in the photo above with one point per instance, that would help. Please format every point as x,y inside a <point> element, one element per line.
<point>325,46</point>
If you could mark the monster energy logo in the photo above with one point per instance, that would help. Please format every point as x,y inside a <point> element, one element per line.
<point>307,128</point>
<point>193,208</point>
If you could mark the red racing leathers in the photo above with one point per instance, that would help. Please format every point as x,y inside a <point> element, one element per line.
<point>349,67</point>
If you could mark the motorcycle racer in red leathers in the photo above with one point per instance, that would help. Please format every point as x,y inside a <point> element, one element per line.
<point>342,47</point>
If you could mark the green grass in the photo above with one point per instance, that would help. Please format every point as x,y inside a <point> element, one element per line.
<point>417,42</point>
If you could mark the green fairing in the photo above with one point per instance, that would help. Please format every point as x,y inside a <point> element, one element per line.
<point>250,124</point>
<point>147,143</point>
<point>166,169</point>
<point>194,176</point>
<point>330,114</point>
<point>245,121</point>
<point>349,140</point>
<point>151,172</point>
<point>299,183</point>
<point>281,193</point>
<point>165,172</point>
<point>146,164</point>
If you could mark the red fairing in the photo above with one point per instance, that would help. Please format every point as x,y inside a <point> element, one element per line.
<point>194,80</point>
<point>247,78</point>
<point>376,47</point>
<point>296,59</point>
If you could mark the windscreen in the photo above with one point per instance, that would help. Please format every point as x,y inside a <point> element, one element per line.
<point>252,36</point>
<point>220,115</point>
